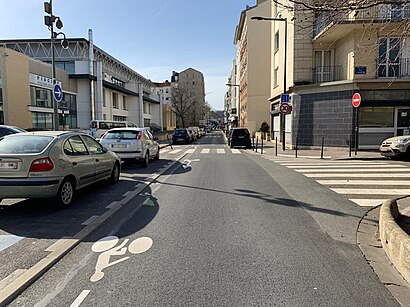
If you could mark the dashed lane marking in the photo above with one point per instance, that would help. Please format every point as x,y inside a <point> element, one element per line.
<point>80,298</point>
<point>90,220</point>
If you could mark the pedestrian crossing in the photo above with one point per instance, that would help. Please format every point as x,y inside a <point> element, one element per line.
<point>366,183</point>
<point>219,151</point>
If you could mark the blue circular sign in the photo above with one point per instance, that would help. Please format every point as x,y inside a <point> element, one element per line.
<point>58,93</point>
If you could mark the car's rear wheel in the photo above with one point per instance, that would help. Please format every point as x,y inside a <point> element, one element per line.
<point>115,174</point>
<point>145,161</point>
<point>157,155</point>
<point>65,193</point>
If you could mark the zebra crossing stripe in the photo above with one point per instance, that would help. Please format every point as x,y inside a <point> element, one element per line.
<point>344,166</point>
<point>342,170</point>
<point>364,182</point>
<point>175,151</point>
<point>374,191</point>
<point>368,202</point>
<point>310,163</point>
<point>205,151</point>
<point>191,150</point>
<point>235,151</point>
<point>220,151</point>
<point>368,175</point>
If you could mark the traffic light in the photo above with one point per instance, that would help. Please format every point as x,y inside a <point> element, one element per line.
<point>48,20</point>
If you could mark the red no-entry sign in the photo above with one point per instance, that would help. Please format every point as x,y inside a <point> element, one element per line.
<point>356,99</point>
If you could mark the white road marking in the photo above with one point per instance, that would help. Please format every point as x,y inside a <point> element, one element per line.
<point>205,151</point>
<point>80,298</point>
<point>191,150</point>
<point>342,170</point>
<point>313,163</point>
<point>235,151</point>
<point>56,244</point>
<point>8,279</point>
<point>220,151</point>
<point>368,202</point>
<point>369,175</point>
<point>364,182</point>
<point>112,204</point>
<point>375,191</point>
<point>342,166</point>
<point>175,151</point>
<point>8,240</point>
<point>90,220</point>
<point>164,150</point>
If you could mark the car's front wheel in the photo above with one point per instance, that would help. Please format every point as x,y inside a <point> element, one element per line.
<point>115,174</point>
<point>65,193</point>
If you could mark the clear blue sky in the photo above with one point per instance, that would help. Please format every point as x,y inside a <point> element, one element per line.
<point>153,37</point>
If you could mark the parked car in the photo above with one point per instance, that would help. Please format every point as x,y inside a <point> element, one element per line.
<point>239,137</point>
<point>53,164</point>
<point>194,133</point>
<point>132,144</point>
<point>396,147</point>
<point>181,135</point>
<point>6,130</point>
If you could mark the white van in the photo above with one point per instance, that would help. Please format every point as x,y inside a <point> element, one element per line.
<point>99,127</point>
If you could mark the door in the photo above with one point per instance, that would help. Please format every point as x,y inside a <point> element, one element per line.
<point>80,160</point>
<point>403,121</point>
<point>151,144</point>
<point>103,160</point>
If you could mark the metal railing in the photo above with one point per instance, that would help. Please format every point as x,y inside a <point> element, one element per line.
<point>326,74</point>
<point>380,13</point>
<point>399,68</point>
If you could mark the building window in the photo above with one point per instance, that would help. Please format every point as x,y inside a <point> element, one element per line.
<point>324,69</point>
<point>118,118</point>
<point>115,100</point>
<point>118,82</point>
<point>147,122</point>
<point>40,97</point>
<point>124,103</point>
<point>276,42</point>
<point>275,77</point>
<point>376,117</point>
<point>42,120</point>
<point>104,116</point>
<point>104,100</point>
<point>389,57</point>
<point>70,119</point>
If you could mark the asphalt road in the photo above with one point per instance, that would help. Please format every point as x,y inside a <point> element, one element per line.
<point>218,229</point>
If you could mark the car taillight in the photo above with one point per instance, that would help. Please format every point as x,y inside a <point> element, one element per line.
<point>41,165</point>
<point>138,136</point>
<point>103,136</point>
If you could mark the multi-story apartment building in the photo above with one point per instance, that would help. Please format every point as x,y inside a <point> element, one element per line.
<point>253,41</point>
<point>106,89</point>
<point>168,116</point>
<point>231,104</point>
<point>332,55</point>
<point>193,81</point>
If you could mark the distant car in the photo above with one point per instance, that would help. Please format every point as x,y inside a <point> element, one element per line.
<point>6,130</point>
<point>396,147</point>
<point>194,133</point>
<point>53,164</point>
<point>132,144</point>
<point>181,135</point>
<point>239,137</point>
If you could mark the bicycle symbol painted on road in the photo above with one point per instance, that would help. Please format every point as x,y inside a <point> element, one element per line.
<point>108,248</point>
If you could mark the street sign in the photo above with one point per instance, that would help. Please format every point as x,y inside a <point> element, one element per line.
<point>356,99</point>
<point>284,98</point>
<point>64,112</point>
<point>285,108</point>
<point>63,105</point>
<point>58,93</point>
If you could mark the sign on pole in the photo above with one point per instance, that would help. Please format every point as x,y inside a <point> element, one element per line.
<point>356,99</point>
<point>57,92</point>
<point>284,98</point>
<point>285,108</point>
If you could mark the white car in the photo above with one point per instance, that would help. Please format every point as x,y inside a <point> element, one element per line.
<point>132,144</point>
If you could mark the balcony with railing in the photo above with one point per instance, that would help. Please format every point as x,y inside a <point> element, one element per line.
<point>378,14</point>
<point>326,74</point>
<point>397,68</point>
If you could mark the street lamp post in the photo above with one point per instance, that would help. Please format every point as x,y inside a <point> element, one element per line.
<point>49,22</point>
<point>239,102</point>
<point>283,116</point>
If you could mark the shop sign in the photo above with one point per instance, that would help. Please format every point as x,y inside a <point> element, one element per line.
<point>41,80</point>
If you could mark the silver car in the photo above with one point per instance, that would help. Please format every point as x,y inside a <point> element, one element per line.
<point>133,144</point>
<point>53,164</point>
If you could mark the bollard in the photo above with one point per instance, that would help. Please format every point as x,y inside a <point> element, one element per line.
<point>350,146</point>
<point>253,143</point>
<point>296,151</point>
<point>170,143</point>
<point>261,145</point>
<point>256,147</point>
<point>276,146</point>
<point>321,152</point>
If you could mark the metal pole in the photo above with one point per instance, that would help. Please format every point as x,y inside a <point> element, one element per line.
<point>321,152</point>
<point>261,145</point>
<point>296,151</point>
<point>356,132</point>
<point>169,142</point>
<point>253,142</point>
<point>284,82</point>
<point>276,146</point>
<point>53,64</point>
<point>256,148</point>
<point>350,146</point>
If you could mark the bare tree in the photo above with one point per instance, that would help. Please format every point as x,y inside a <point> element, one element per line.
<point>182,103</point>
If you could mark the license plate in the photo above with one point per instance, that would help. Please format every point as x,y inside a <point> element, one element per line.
<point>8,165</point>
<point>118,146</point>
<point>384,149</point>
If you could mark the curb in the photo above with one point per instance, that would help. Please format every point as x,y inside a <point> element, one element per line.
<point>395,242</point>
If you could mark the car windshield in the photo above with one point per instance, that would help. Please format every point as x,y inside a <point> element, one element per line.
<point>25,144</point>
<point>180,132</point>
<point>240,132</point>
<point>122,135</point>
